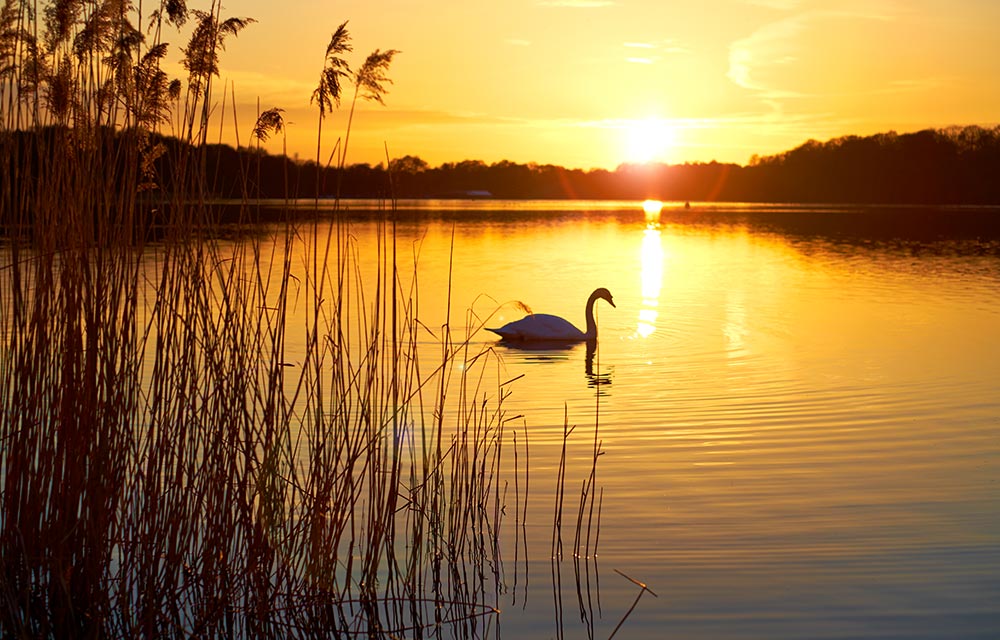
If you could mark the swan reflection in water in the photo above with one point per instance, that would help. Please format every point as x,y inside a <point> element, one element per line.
<point>550,351</point>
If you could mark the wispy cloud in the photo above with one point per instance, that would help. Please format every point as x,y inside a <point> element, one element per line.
<point>435,117</point>
<point>643,48</point>
<point>518,42</point>
<point>916,85</point>
<point>759,61</point>
<point>854,7</point>
<point>793,122</point>
<point>651,52</point>
<point>782,5</point>
<point>672,46</point>
<point>577,4</point>
<point>768,46</point>
<point>273,86</point>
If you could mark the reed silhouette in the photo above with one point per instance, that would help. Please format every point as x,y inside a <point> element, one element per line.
<point>207,429</point>
<point>171,466</point>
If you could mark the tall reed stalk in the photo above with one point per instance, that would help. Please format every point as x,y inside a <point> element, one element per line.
<point>174,460</point>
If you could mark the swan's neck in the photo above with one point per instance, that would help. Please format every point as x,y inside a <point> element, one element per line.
<point>591,332</point>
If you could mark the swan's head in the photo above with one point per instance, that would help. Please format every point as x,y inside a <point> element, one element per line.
<point>602,294</point>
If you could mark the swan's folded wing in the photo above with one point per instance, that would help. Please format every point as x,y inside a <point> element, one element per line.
<point>540,326</point>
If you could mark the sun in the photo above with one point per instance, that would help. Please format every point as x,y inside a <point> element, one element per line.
<point>648,140</point>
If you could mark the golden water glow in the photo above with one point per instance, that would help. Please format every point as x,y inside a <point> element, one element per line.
<point>735,327</point>
<point>652,209</point>
<point>651,278</point>
<point>778,379</point>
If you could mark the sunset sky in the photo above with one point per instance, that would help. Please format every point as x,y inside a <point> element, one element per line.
<point>594,83</point>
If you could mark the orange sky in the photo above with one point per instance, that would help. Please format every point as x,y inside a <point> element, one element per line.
<point>593,83</point>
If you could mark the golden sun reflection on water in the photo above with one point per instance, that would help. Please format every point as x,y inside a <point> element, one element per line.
<point>735,328</point>
<point>652,209</point>
<point>651,278</point>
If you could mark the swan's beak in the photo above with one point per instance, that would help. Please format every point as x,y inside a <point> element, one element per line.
<point>612,303</point>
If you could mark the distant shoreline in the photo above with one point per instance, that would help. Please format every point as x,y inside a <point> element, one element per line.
<point>955,166</point>
<point>430,202</point>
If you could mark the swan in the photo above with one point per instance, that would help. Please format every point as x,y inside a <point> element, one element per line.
<point>539,327</point>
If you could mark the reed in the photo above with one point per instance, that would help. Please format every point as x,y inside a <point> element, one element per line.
<point>228,430</point>
<point>175,461</point>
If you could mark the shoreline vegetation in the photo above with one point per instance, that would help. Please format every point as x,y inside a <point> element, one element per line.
<point>952,166</point>
<point>208,436</point>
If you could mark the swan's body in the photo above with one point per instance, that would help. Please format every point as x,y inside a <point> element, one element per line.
<point>543,327</point>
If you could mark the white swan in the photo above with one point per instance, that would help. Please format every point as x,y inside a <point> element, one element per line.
<point>540,327</point>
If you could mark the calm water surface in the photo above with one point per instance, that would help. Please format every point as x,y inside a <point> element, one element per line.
<point>799,409</point>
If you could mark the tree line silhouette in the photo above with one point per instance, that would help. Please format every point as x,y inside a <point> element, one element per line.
<point>943,166</point>
<point>957,165</point>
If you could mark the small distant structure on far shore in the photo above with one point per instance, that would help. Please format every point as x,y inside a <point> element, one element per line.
<point>469,194</point>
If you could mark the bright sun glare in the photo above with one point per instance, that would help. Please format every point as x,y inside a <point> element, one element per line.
<point>648,140</point>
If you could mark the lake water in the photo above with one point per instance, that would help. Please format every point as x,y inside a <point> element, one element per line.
<point>799,410</point>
